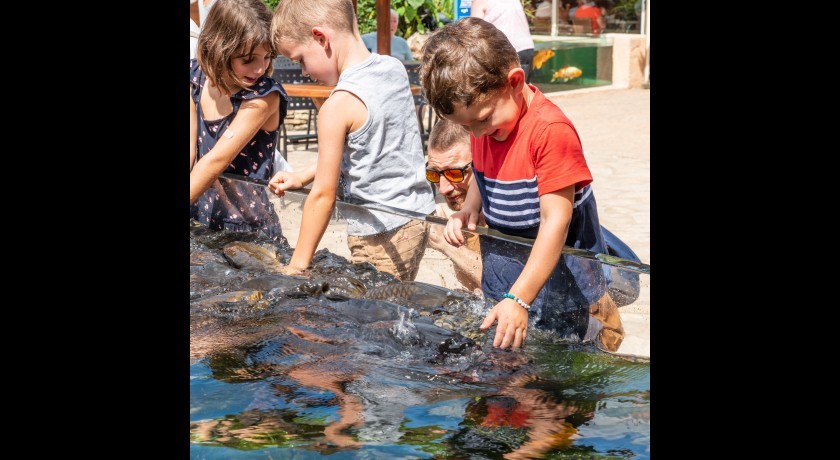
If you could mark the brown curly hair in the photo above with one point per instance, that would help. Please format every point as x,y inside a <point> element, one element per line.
<point>464,62</point>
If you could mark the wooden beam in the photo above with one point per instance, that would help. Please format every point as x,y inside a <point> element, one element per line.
<point>383,27</point>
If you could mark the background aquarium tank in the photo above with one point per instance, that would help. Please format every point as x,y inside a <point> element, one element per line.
<point>567,63</point>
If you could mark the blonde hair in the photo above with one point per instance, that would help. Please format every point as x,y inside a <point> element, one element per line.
<point>233,28</point>
<point>464,62</point>
<point>445,134</point>
<point>294,19</point>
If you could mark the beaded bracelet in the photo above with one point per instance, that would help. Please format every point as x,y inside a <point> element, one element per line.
<point>517,300</point>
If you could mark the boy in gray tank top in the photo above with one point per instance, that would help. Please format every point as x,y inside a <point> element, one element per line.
<point>369,146</point>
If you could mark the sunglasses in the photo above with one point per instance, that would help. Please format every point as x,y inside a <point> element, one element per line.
<point>452,175</point>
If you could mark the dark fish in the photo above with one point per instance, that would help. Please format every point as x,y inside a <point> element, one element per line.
<point>252,256</point>
<point>235,297</point>
<point>341,286</point>
<point>414,294</point>
<point>200,254</point>
<point>213,278</point>
<point>288,286</point>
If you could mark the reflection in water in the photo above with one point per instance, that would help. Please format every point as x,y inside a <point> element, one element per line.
<point>350,362</point>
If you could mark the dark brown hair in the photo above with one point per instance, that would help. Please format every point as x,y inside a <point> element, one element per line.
<point>294,19</point>
<point>445,134</point>
<point>464,62</point>
<point>233,28</point>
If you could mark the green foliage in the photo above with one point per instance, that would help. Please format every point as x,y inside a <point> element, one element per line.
<point>625,10</point>
<point>447,7</point>
<point>411,14</point>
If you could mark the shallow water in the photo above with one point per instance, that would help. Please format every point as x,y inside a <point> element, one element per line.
<point>578,403</point>
<point>301,368</point>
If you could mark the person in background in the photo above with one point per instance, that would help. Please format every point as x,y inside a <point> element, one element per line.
<point>588,9</point>
<point>544,11</point>
<point>369,148</point>
<point>509,17</point>
<point>235,113</point>
<point>203,10</point>
<point>194,29</point>
<point>399,45</point>
<point>448,169</point>
<point>198,13</point>
<point>531,181</point>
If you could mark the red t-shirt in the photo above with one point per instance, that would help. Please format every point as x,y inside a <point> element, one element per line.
<point>586,11</point>
<point>542,154</point>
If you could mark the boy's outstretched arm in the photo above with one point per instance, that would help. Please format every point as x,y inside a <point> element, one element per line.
<point>555,216</point>
<point>340,114</point>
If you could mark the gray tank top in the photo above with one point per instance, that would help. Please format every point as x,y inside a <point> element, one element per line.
<point>383,161</point>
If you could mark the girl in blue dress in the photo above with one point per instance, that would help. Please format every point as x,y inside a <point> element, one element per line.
<point>235,113</point>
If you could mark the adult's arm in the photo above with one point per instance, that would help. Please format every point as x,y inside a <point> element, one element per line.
<point>477,8</point>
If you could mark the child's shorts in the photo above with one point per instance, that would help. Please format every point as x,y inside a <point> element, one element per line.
<point>398,251</point>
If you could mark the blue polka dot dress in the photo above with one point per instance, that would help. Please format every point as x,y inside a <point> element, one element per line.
<point>234,205</point>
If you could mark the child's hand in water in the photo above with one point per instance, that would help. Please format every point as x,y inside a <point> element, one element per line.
<point>290,270</point>
<point>284,180</point>
<point>512,327</point>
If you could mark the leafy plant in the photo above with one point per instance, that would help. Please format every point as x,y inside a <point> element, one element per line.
<point>625,10</point>
<point>415,15</point>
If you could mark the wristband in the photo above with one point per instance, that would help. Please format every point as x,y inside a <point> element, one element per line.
<point>517,300</point>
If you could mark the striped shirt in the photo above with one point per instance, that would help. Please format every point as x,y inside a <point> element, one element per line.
<point>542,154</point>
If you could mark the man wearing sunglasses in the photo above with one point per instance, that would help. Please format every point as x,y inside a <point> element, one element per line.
<point>449,170</point>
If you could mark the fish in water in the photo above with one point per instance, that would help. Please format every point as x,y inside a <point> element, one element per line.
<point>228,298</point>
<point>541,56</point>
<point>566,73</point>
<point>413,293</point>
<point>252,256</point>
<point>288,286</point>
<point>451,310</point>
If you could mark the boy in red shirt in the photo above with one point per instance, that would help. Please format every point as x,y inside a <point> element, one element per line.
<point>531,180</point>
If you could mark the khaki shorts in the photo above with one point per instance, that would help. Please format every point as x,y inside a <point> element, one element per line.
<point>398,251</point>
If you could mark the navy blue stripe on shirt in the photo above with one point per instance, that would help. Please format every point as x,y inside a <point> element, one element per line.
<point>512,204</point>
<point>513,207</point>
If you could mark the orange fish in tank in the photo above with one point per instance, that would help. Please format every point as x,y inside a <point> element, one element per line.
<point>566,73</point>
<point>541,56</point>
